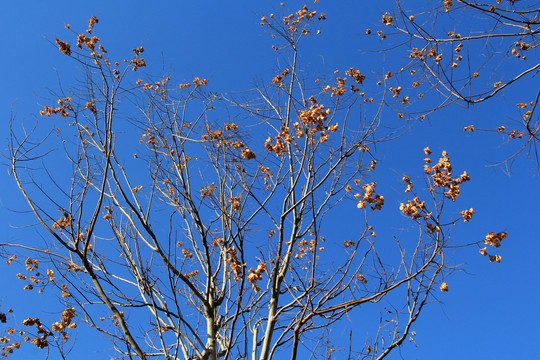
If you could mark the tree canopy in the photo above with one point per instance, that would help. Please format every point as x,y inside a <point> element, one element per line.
<point>320,209</point>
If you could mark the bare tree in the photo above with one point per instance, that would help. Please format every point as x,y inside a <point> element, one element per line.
<point>212,239</point>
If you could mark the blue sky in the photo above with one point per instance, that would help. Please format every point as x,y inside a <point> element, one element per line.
<point>490,310</point>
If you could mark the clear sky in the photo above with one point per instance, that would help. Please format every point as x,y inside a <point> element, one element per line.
<point>491,310</point>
